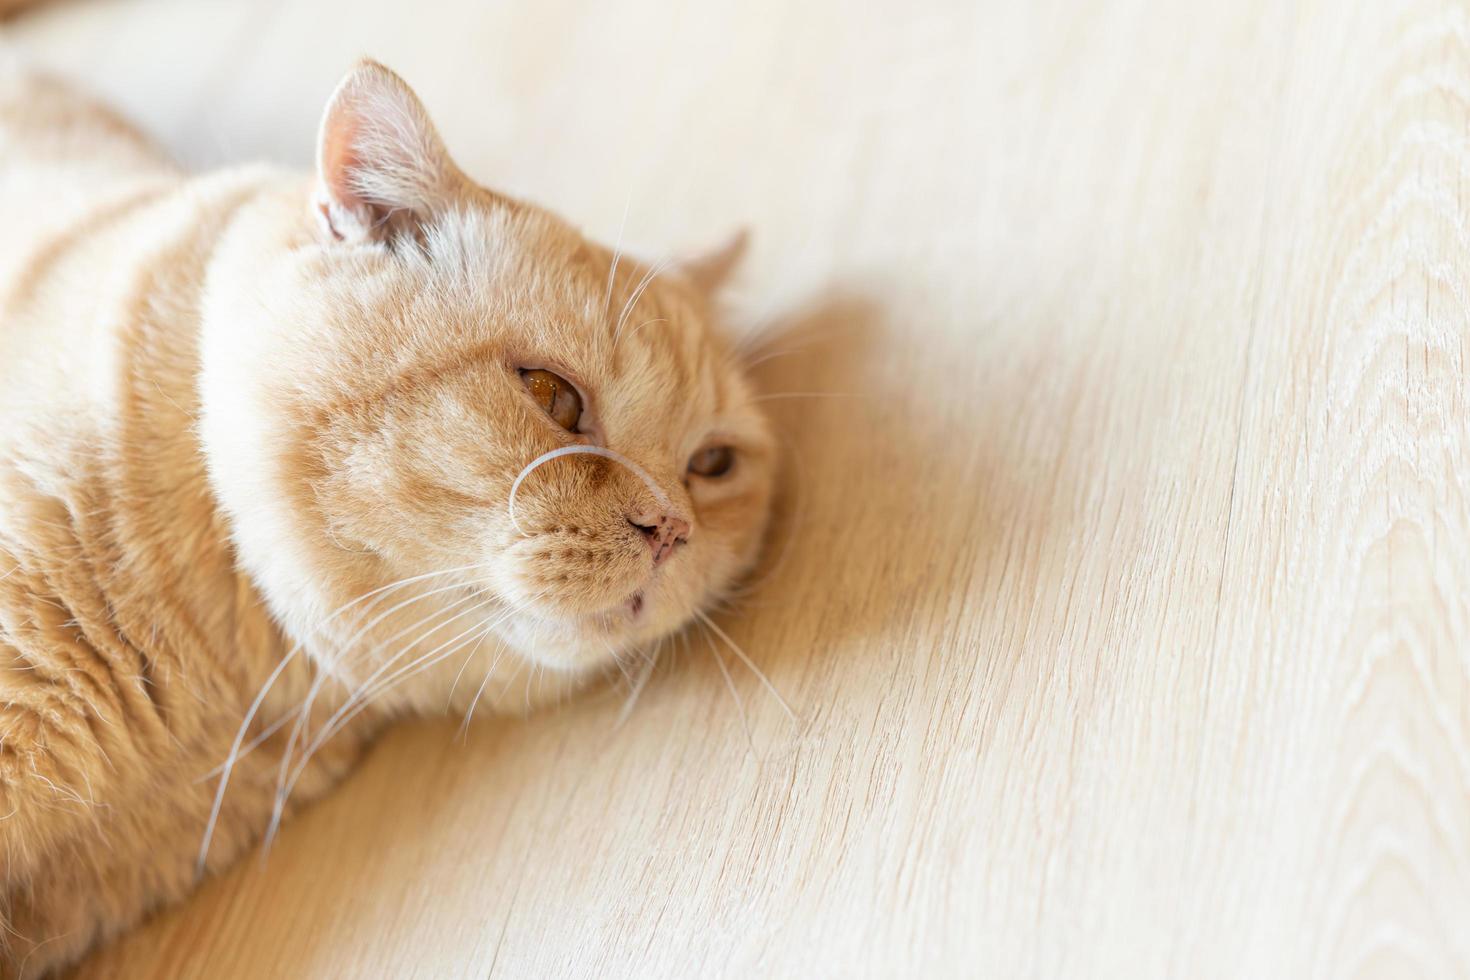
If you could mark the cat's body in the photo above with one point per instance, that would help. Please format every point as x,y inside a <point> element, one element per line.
<point>130,645</point>
<point>231,405</point>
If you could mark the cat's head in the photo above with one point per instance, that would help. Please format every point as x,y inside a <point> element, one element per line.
<point>386,357</point>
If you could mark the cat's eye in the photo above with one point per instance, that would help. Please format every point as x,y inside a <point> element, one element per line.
<point>556,396</point>
<point>711,462</point>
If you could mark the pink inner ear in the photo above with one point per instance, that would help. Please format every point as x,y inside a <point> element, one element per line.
<point>339,205</point>
<point>338,159</point>
<point>344,211</point>
<point>382,170</point>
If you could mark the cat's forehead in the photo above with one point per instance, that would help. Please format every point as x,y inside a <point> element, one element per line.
<point>546,279</point>
<point>514,248</point>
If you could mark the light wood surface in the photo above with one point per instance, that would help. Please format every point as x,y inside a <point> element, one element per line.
<point>1126,604</point>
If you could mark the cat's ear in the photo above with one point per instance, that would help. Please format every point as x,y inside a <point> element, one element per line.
<point>711,268</point>
<point>382,170</point>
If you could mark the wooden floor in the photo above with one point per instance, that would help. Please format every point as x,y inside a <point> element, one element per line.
<point>1125,599</point>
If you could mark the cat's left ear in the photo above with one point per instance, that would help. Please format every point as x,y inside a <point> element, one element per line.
<point>382,170</point>
<point>712,268</point>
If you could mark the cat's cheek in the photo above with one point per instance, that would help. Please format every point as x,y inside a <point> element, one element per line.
<point>680,589</point>
<point>731,539</point>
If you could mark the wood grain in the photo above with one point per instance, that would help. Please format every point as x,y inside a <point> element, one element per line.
<point>1125,605</point>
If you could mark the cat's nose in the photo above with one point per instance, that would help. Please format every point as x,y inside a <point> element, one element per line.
<point>661,530</point>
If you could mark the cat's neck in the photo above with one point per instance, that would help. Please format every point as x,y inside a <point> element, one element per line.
<point>240,436</point>
<point>161,481</point>
<point>257,458</point>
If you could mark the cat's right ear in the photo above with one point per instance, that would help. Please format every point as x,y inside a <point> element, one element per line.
<point>712,268</point>
<point>382,170</point>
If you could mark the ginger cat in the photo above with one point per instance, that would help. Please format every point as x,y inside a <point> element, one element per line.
<point>283,456</point>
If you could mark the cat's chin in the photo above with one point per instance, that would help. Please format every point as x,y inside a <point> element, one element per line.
<point>585,643</point>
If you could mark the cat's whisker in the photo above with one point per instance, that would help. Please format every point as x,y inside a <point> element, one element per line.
<point>645,323</point>
<point>730,686</point>
<point>462,667</point>
<point>234,754</point>
<point>490,671</point>
<point>523,664</point>
<point>612,271</point>
<point>350,644</point>
<point>464,726</point>
<point>638,685</point>
<point>653,273</point>
<point>735,648</point>
<point>324,674</point>
<point>371,594</point>
<point>617,661</point>
<point>364,697</point>
<point>334,725</point>
<point>276,725</point>
<point>252,745</point>
<point>772,355</point>
<point>393,586</point>
<point>224,779</point>
<point>303,714</point>
<point>347,647</point>
<point>366,692</point>
<point>531,678</point>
